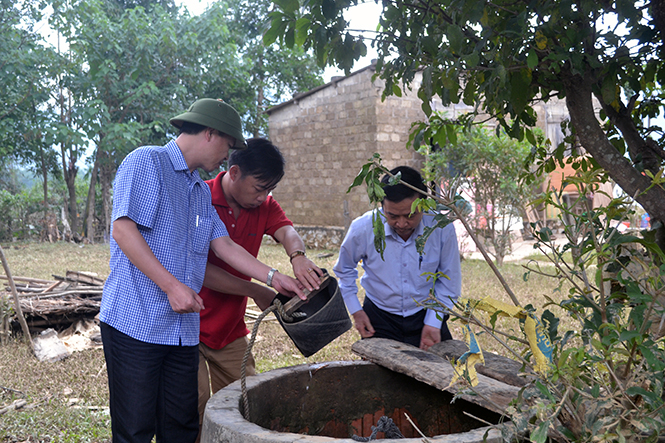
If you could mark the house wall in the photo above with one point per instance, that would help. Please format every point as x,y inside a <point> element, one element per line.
<point>327,136</point>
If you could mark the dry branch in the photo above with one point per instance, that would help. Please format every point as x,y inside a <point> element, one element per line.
<point>17,404</point>
<point>59,301</point>
<point>17,306</point>
<point>28,279</point>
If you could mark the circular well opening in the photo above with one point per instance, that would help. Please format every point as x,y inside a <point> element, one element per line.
<point>339,400</point>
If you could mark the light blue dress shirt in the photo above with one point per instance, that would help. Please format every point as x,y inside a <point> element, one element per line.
<point>396,283</point>
<point>173,211</point>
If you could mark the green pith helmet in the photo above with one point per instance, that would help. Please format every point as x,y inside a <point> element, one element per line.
<point>214,114</point>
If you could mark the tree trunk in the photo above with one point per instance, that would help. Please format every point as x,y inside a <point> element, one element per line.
<point>70,180</point>
<point>105,179</point>
<point>49,221</point>
<point>259,105</point>
<point>66,229</point>
<point>44,169</point>
<point>594,140</point>
<point>90,204</point>
<point>260,98</point>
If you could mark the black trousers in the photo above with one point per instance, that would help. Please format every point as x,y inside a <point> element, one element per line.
<point>402,329</point>
<point>153,389</point>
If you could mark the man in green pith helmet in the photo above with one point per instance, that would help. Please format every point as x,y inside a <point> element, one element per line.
<point>163,225</point>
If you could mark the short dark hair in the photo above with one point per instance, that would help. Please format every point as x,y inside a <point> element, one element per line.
<point>191,128</point>
<point>261,159</point>
<point>397,193</point>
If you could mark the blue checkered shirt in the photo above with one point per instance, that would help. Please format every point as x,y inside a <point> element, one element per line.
<point>173,211</point>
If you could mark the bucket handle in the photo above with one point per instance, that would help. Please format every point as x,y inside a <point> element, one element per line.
<point>292,305</point>
<point>286,311</point>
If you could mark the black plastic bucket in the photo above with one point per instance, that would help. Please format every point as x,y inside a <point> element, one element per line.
<point>321,320</point>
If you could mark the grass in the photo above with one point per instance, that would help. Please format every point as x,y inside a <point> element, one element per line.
<point>67,401</point>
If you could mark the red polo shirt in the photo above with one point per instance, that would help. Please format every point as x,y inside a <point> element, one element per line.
<point>223,319</point>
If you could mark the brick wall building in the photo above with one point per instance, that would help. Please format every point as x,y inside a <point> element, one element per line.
<point>329,132</point>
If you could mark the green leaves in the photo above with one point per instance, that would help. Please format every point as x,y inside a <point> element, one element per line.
<point>532,59</point>
<point>278,25</point>
<point>302,27</point>
<point>288,6</point>
<point>455,38</point>
<point>370,174</point>
<point>610,90</point>
<point>502,59</point>
<point>519,90</point>
<point>442,220</point>
<point>379,233</point>
<point>540,434</point>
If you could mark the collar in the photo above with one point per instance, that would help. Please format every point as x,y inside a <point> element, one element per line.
<point>176,157</point>
<point>218,197</point>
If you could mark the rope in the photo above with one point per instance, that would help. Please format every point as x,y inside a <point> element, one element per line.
<point>276,306</point>
<point>385,425</point>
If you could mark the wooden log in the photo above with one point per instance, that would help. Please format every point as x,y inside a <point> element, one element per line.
<point>252,314</point>
<point>79,291</point>
<point>83,277</point>
<point>496,366</point>
<point>32,291</point>
<point>39,324</point>
<point>28,279</point>
<point>435,371</point>
<point>44,308</point>
<point>77,295</point>
<point>53,286</point>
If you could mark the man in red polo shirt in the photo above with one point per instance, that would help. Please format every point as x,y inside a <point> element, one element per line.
<point>241,197</point>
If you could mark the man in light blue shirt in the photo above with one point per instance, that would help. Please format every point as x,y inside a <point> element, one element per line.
<point>395,286</point>
<point>163,225</point>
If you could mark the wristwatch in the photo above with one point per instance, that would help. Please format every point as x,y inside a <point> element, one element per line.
<point>271,274</point>
<point>294,254</point>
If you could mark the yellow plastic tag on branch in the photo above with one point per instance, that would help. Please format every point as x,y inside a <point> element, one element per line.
<point>467,362</point>
<point>540,344</point>
<point>535,332</point>
<point>492,307</point>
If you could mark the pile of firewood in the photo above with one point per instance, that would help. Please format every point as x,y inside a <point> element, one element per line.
<point>59,302</point>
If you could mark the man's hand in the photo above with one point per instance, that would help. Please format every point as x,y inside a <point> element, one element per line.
<point>288,286</point>
<point>181,297</point>
<point>363,325</point>
<point>307,272</point>
<point>184,300</point>
<point>429,337</point>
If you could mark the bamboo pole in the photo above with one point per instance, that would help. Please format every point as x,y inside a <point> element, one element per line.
<point>17,306</point>
<point>28,279</point>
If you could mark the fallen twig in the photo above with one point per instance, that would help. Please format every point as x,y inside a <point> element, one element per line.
<point>17,404</point>
<point>425,439</point>
<point>17,305</point>
<point>28,279</point>
<point>5,388</point>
